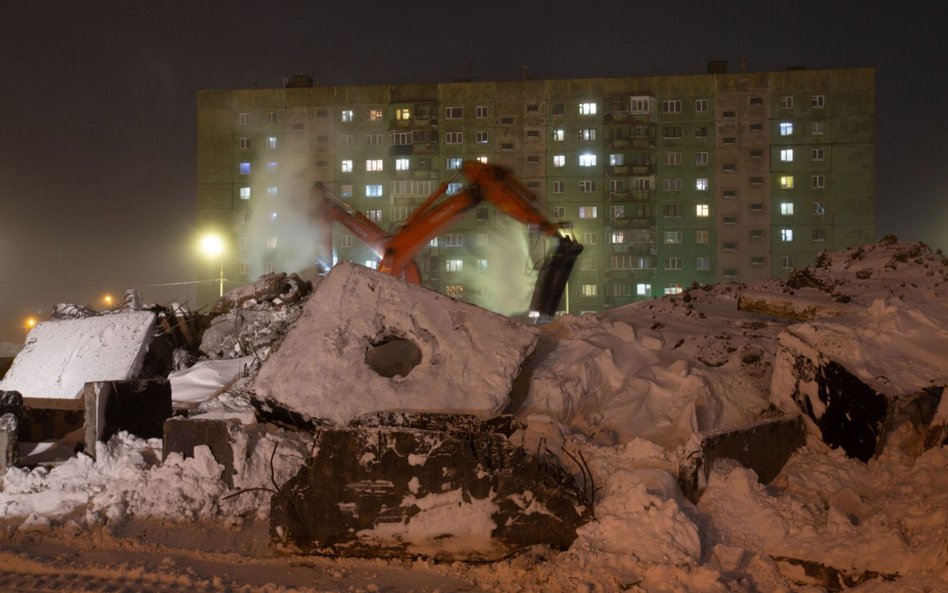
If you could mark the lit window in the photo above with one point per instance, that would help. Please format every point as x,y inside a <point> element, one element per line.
<point>786,155</point>
<point>786,128</point>
<point>243,118</point>
<point>587,134</point>
<point>346,115</point>
<point>616,160</point>
<point>701,184</point>
<point>701,158</point>
<point>818,181</point>
<point>482,159</point>
<point>559,187</point>
<point>819,209</point>
<point>453,265</point>
<point>786,182</point>
<point>587,160</point>
<point>433,242</point>
<point>816,101</point>
<point>559,160</point>
<point>703,263</point>
<point>480,112</point>
<point>673,237</point>
<point>375,114</point>
<point>816,154</point>
<point>454,188</point>
<point>245,168</point>
<point>401,164</point>
<point>589,290</point>
<point>617,238</point>
<point>673,158</point>
<point>453,112</point>
<point>272,243</point>
<point>786,235</point>
<point>643,289</point>
<point>373,165</point>
<point>403,114</point>
<point>245,193</point>
<point>480,137</point>
<point>701,105</point>
<point>702,237</point>
<point>346,166</point>
<point>786,208</point>
<point>702,210</point>
<point>481,264</point>
<point>559,135</point>
<point>244,143</point>
<point>587,212</point>
<point>587,109</point>
<point>588,186</point>
<point>673,263</point>
<point>816,128</point>
<point>374,215</point>
<point>372,263</point>
<point>373,190</point>
<point>272,191</point>
<point>786,102</point>
<point>454,137</point>
<point>671,106</point>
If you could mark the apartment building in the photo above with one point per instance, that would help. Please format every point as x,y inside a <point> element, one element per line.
<point>666,180</point>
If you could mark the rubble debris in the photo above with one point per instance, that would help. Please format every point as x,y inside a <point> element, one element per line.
<point>504,424</point>
<point>821,575</point>
<point>137,407</point>
<point>207,379</point>
<point>469,356</point>
<point>792,307</point>
<point>248,331</point>
<point>270,287</point>
<point>763,447</point>
<point>445,494</point>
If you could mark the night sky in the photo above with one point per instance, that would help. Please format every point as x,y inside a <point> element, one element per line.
<point>97,109</point>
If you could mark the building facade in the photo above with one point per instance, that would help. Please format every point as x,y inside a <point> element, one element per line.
<point>666,180</point>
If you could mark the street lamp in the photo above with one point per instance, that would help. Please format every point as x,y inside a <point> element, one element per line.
<point>29,324</point>
<point>212,245</point>
<point>107,300</point>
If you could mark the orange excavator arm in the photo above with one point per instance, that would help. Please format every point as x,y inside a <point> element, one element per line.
<point>497,186</point>
<point>326,208</point>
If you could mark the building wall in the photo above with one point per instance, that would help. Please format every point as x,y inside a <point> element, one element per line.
<point>666,180</point>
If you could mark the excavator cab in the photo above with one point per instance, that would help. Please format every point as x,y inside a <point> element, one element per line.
<point>551,282</point>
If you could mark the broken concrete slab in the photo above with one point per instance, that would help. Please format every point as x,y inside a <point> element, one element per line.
<point>451,356</point>
<point>62,355</point>
<point>786,306</point>
<point>222,437</point>
<point>137,407</point>
<point>843,378</point>
<point>763,447</point>
<point>811,573</point>
<point>449,495</point>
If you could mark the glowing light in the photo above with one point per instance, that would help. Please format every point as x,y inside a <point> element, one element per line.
<point>212,245</point>
<point>107,300</point>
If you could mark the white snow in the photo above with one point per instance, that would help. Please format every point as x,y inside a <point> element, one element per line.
<point>60,356</point>
<point>628,389</point>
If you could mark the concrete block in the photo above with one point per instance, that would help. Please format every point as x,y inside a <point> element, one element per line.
<point>182,435</point>
<point>763,447</point>
<point>368,342</point>
<point>138,407</point>
<point>9,442</point>
<point>450,495</point>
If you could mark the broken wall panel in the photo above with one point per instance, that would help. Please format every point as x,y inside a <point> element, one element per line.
<point>367,342</point>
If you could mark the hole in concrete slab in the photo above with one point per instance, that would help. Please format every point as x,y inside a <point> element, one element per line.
<point>393,356</point>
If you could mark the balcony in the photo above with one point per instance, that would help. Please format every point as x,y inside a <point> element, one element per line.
<point>401,150</point>
<point>619,143</point>
<point>643,169</point>
<point>643,222</point>
<point>617,117</point>
<point>643,143</point>
<point>617,169</point>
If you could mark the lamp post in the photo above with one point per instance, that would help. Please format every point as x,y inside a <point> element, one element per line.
<point>29,324</point>
<point>213,246</point>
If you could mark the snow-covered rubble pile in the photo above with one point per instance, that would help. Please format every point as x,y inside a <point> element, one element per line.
<point>623,390</point>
